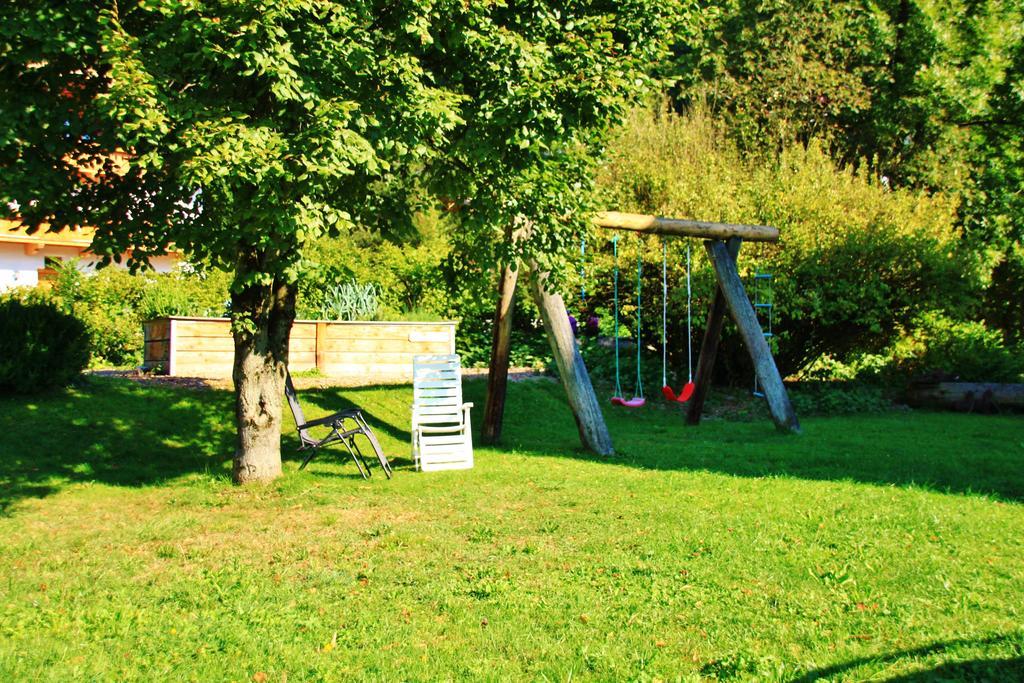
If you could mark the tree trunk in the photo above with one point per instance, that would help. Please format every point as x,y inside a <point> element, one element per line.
<point>263,316</point>
<point>497,378</point>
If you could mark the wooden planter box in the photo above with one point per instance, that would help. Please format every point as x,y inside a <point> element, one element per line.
<point>363,352</point>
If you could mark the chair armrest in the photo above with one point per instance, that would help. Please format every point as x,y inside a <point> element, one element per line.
<point>467,406</point>
<point>330,419</point>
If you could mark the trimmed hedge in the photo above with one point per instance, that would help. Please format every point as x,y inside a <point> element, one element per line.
<point>41,347</point>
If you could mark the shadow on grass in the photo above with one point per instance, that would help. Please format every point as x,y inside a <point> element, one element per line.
<point>946,452</point>
<point>120,432</point>
<point>380,407</point>
<point>110,431</point>
<point>988,669</point>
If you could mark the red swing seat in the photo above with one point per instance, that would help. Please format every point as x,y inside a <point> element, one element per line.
<point>635,402</point>
<point>684,395</point>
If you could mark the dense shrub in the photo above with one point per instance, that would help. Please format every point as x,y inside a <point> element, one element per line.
<point>940,346</point>
<point>405,270</point>
<point>40,346</point>
<point>856,263</point>
<point>113,304</point>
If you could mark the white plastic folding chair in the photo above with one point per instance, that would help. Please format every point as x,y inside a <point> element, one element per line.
<point>441,434</point>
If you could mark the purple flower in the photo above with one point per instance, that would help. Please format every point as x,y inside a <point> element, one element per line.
<point>573,325</point>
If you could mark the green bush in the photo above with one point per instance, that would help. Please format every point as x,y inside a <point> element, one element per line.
<point>41,347</point>
<point>968,351</point>
<point>113,304</point>
<point>856,263</point>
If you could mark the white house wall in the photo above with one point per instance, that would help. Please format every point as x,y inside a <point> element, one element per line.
<point>18,269</point>
<point>21,269</point>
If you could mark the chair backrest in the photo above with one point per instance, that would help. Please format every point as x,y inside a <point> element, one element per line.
<point>293,403</point>
<point>437,389</point>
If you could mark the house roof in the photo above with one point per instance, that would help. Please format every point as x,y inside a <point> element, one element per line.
<point>15,231</point>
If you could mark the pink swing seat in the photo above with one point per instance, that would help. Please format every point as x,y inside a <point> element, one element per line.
<point>635,402</point>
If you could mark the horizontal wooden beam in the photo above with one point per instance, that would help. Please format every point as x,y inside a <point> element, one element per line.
<point>638,222</point>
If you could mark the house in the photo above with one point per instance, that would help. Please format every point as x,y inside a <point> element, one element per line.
<point>28,259</point>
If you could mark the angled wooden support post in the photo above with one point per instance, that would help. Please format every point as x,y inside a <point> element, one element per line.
<point>731,287</point>
<point>582,399</point>
<point>501,341</point>
<point>709,346</point>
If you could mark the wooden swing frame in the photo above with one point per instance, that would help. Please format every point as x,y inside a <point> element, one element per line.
<point>722,241</point>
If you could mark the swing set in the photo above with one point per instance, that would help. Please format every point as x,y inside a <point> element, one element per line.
<point>722,242</point>
<point>667,391</point>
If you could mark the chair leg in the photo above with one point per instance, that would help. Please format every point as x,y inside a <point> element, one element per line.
<point>372,438</point>
<point>312,454</point>
<point>361,466</point>
<point>359,452</point>
<point>416,449</point>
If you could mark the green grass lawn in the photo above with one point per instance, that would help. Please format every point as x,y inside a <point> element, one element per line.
<point>882,547</point>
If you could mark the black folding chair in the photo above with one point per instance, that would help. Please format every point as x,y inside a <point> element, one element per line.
<point>339,431</point>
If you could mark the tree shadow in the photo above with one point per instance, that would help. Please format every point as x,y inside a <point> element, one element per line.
<point>379,407</point>
<point>111,431</point>
<point>946,452</point>
<point>974,669</point>
<point>126,433</point>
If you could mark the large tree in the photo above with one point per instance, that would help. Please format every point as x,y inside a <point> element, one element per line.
<point>250,128</point>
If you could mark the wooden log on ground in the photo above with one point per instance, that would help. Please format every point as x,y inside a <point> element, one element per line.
<point>657,225</point>
<point>501,341</point>
<point>582,399</point>
<point>742,311</point>
<point>966,396</point>
<point>709,346</point>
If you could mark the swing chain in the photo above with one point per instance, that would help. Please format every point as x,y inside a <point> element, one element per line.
<point>639,272</point>
<point>615,290</point>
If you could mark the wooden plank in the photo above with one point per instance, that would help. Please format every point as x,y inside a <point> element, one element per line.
<point>171,332</point>
<point>206,370</point>
<point>370,358</point>
<point>743,314</point>
<point>379,331</point>
<point>202,328</point>
<point>156,351</point>
<point>443,336</point>
<point>382,346</point>
<point>709,347</point>
<point>156,329</point>
<point>220,327</point>
<point>578,388</point>
<point>227,344</point>
<point>304,331</point>
<point>377,373</point>
<point>194,356</point>
<point>501,343</point>
<point>657,225</point>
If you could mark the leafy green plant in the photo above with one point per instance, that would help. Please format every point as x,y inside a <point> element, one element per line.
<point>857,261</point>
<point>969,351</point>
<point>838,398</point>
<point>41,346</point>
<point>113,303</point>
<point>351,301</point>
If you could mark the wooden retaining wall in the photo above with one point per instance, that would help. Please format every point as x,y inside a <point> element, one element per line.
<point>365,352</point>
